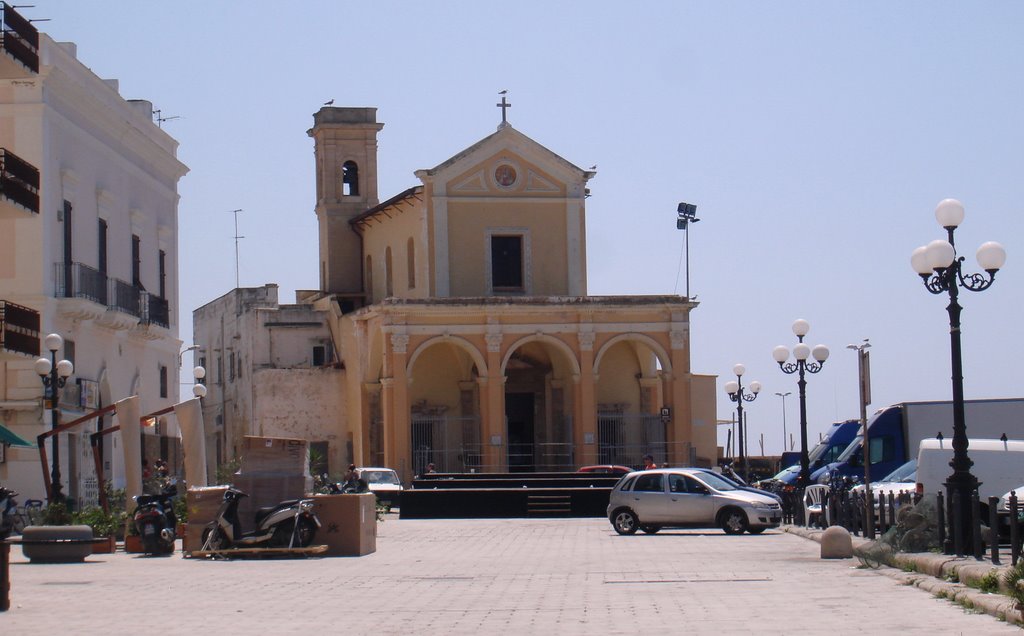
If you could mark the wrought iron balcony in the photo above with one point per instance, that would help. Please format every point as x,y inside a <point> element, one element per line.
<point>125,298</point>
<point>19,181</point>
<point>156,310</point>
<point>78,280</point>
<point>20,39</point>
<point>19,329</point>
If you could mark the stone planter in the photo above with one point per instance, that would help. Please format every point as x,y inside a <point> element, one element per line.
<point>56,544</point>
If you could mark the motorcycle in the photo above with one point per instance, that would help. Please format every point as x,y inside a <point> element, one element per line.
<point>155,521</point>
<point>8,512</point>
<point>289,524</point>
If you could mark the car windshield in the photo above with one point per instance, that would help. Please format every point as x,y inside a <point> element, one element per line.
<point>906,472</point>
<point>792,470</point>
<point>380,476</point>
<point>715,481</point>
<point>851,450</point>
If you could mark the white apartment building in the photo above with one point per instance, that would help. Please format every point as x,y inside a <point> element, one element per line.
<point>89,251</point>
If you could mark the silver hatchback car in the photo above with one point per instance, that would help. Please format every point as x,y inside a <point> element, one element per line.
<point>650,500</point>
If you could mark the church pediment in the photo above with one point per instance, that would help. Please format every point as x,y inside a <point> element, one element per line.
<point>507,163</point>
<point>505,174</point>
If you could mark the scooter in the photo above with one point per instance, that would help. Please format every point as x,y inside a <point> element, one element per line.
<point>289,524</point>
<point>155,522</point>
<point>8,512</point>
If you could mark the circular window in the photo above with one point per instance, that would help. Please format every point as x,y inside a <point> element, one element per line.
<point>505,175</point>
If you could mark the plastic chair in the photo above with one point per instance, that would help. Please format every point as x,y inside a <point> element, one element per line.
<point>814,503</point>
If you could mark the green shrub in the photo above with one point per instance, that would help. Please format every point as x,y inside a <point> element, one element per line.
<point>1014,581</point>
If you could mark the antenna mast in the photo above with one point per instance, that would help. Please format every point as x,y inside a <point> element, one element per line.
<point>235,212</point>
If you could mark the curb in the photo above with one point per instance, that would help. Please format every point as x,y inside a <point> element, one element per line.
<point>935,573</point>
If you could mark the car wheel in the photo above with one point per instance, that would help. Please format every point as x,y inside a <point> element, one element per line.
<point>733,521</point>
<point>650,529</point>
<point>756,530</point>
<point>625,522</point>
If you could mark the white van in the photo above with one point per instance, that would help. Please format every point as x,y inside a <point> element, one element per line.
<point>998,465</point>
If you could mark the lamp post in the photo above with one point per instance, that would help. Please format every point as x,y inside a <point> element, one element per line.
<point>54,376</point>
<point>199,389</point>
<point>864,375</point>
<point>738,395</point>
<point>801,353</point>
<point>941,270</point>
<point>686,214</point>
<point>785,438</point>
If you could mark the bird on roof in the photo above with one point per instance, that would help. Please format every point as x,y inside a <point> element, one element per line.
<point>329,103</point>
<point>593,167</point>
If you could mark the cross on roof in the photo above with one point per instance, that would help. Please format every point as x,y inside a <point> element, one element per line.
<point>503,106</point>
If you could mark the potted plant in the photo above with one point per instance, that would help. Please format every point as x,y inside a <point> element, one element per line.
<point>181,514</point>
<point>104,525</point>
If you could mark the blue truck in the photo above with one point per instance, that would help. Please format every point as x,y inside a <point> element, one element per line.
<point>832,444</point>
<point>896,431</point>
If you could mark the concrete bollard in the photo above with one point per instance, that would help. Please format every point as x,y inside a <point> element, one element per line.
<point>836,543</point>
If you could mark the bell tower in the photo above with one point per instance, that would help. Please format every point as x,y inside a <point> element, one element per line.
<point>345,142</point>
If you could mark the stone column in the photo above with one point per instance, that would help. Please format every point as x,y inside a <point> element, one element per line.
<point>677,396</point>
<point>495,457</point>
<point>399,424</point>
<point>585,403</point>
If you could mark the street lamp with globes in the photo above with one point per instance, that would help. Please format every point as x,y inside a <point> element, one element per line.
<point>54,376</point>
<point>738,395</point>
<point>801,353</point>
<point>199,389</point>
<point>941,270</point>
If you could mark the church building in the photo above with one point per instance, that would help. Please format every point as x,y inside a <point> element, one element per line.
<point>460,326</point>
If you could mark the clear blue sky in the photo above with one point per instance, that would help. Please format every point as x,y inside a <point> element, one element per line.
<point>815,138</point>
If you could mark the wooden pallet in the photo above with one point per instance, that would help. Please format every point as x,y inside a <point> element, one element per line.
<point>243,553</point>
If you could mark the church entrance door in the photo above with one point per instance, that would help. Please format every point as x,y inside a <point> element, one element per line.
<point>519,410</point>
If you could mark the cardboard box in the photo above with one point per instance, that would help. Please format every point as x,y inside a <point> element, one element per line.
<point>275,455</point>
<point>202,504</point>
<point>267,489</point>
<point>348,524</point>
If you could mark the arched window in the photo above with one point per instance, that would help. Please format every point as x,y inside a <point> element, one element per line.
<point>369,279</point>
<point>388,289</point>
<point>349,179</point>
<point>410,255</point>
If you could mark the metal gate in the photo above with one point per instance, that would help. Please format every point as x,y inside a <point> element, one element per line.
<point>624,438</point>
<point>446,442</point>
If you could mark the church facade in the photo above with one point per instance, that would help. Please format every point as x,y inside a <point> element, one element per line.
<point>460,313</point>
<point>460,326</point>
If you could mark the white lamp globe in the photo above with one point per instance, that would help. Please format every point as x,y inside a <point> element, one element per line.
<point>199,390</point>
<point>65,368</point>
<point>755,387</point>
<point>42,366</point>
<point>53,342</point>
<point>801,327</point>
<point>820,353</point>
<point>199,373</point>
<point>780,353</point>
<point>991,256</point>
<point>801,351</point>
<point>949,213</point>
<point>739,369</point>
<point>919,261</point>
<point>731,387</point>
<point>940,254</point>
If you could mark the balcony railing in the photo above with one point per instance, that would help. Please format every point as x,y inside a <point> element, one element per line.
<point>78,280</point>
<point>20,38</point>
<point>156,310</point>
<point>19,328</point>
<point>125,298</point>
<point>19,180</point>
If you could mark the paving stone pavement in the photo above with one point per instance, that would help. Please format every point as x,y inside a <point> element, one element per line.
<point>495,576</point>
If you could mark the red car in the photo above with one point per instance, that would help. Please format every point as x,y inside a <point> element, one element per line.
<point>606,469</point>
